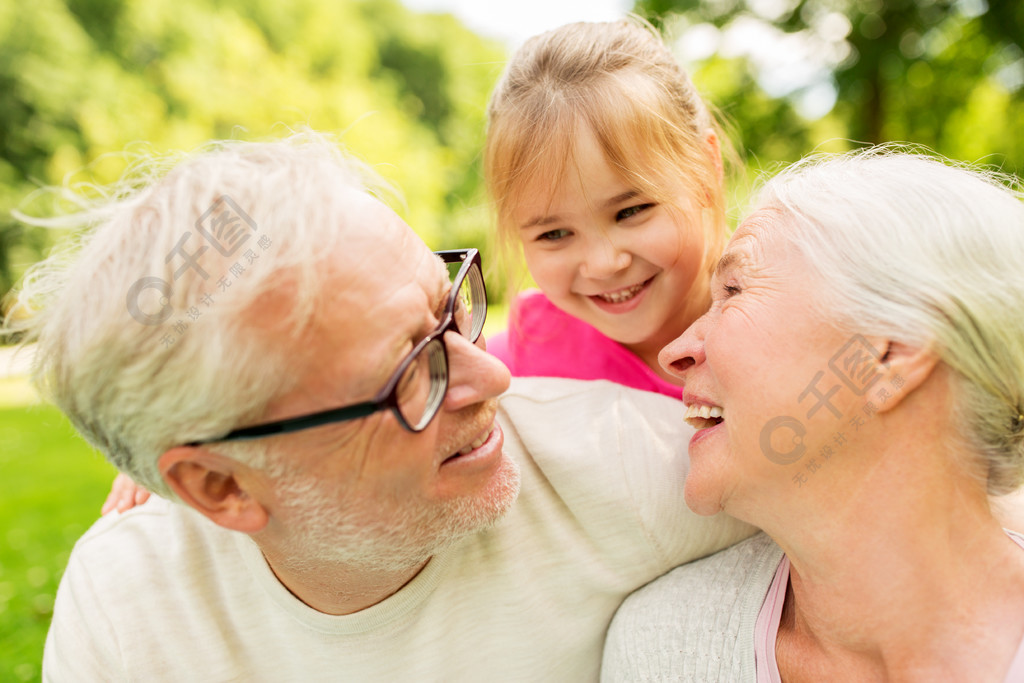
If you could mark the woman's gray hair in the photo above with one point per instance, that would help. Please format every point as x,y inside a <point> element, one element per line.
<point>924,252</point>
<point>143,326</point>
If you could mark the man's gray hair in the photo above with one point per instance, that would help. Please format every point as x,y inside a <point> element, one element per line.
<point>925,252</point>
<point>143,327</point>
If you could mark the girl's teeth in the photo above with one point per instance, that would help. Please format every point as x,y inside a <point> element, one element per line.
<point>622,295</point>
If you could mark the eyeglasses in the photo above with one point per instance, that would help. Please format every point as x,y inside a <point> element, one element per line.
<point>416,390</point>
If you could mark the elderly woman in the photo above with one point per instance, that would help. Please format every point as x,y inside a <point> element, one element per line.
<point>858,393</point>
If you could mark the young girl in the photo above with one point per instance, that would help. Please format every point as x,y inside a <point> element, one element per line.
<point>604,166</point>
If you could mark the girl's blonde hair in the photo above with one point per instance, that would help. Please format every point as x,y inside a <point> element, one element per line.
<point>621,81</point>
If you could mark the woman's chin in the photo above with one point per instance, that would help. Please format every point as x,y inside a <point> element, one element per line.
<point>700,499</point>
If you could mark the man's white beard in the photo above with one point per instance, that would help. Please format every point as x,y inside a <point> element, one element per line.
<point>381,535</point>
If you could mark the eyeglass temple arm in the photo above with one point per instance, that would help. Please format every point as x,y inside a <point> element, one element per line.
<point>353,412</point>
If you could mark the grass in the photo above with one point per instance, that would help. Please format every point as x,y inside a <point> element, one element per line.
<point>51,487</point>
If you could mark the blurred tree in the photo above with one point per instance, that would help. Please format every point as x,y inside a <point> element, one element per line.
<point>82,79</point>
<point>945,73</point>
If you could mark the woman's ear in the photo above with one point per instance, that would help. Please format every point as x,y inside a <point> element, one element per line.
<point>904,368</point>
<point>209,483</point>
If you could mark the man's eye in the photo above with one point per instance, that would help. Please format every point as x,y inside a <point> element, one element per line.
<point>439,313</point>
<point>463,314</point>
<point>631,211</point>
<point>553,235</point>
<point>414,383</point>
<point>408,379</point>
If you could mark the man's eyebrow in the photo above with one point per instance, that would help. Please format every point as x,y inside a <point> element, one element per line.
<point>439,298</point>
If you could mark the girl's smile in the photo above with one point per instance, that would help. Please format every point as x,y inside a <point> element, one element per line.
<point>622,300</point>
<point>607,254</point>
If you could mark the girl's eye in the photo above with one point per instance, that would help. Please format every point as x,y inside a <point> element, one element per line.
<point>631,211</point>
<point>553,235</point>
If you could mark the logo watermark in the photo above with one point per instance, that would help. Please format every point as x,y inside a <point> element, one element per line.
<point>855,366</point>
<point>225,227</point>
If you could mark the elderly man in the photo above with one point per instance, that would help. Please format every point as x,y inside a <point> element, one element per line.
<point>257,337</point>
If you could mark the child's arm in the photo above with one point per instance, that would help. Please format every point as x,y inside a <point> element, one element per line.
<point>124,495</point>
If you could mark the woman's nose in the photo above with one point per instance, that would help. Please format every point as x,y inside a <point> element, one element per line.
<point>686,350</point>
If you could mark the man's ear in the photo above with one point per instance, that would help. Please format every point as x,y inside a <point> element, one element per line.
<point>715,151</point>
<point>904,368</point>
<point>209,483</point>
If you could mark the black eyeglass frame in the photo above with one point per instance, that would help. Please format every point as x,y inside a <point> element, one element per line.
<point>387,398</point>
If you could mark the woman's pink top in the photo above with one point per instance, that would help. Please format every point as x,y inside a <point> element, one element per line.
<point>766,629</point>
<point>543,341</point>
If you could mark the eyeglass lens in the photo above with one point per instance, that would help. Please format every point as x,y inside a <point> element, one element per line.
<point>422,386</point>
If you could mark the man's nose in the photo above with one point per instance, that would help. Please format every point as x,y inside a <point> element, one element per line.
<point>473,374</point>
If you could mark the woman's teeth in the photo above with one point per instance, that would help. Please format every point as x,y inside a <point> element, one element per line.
<point>703,416</point>
<point>622,295</point>
<point>703,411</point>
<point>474,445</point>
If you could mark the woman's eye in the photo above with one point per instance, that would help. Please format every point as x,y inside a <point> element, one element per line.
<point>631,211</point>
<point>553,235</point>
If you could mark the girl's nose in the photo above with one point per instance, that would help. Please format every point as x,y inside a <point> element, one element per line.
<point>603,259</point>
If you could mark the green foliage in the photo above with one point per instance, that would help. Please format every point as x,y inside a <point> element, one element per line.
<point>84,78</point>
<point>948,74</point>
<point>51,487</point>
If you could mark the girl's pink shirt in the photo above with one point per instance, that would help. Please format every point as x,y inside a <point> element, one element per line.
<point>543,341</point>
